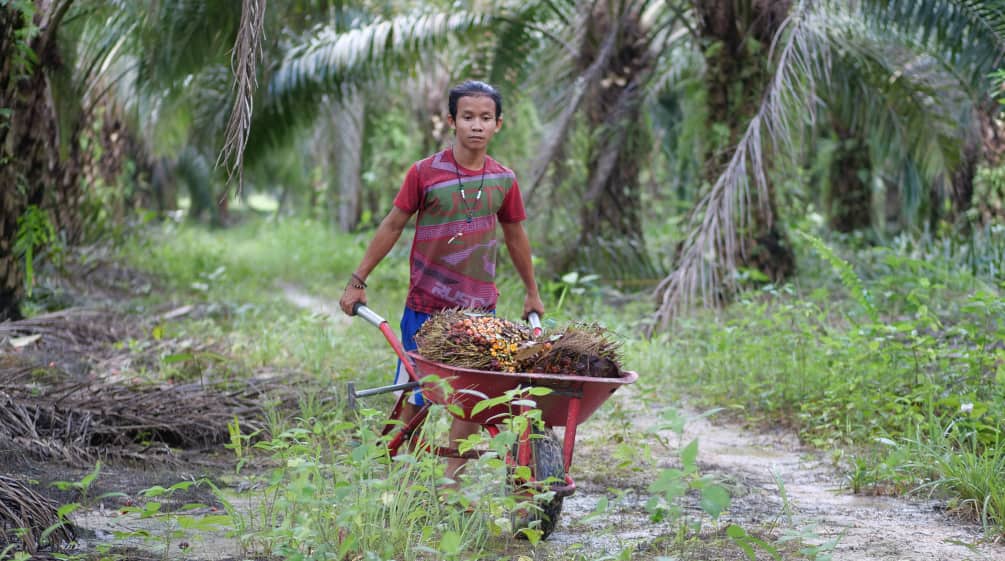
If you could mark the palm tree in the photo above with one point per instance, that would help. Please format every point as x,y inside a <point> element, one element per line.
<point>32,132</point>
<point>64,59</point>
<point>901,55</point>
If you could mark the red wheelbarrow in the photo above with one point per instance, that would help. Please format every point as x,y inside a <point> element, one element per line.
<point>470,396</point>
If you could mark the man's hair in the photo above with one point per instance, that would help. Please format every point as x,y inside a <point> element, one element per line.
<point>473,88</point>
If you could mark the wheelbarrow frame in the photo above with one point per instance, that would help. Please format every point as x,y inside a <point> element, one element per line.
<point>571,401</point>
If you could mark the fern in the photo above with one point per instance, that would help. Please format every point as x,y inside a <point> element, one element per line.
<point>34,232</point>
<point>849,279</point>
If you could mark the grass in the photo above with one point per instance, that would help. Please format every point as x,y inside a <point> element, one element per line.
<point>917,368</point>
<point>888,357</point>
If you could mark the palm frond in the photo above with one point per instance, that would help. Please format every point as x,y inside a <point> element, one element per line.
<point>180,38</point>
<point>247,51</point>
<point>559,129</point>
<point>970,32</point>
<point>707,268</point>
<point>955,40</point>
<point>332,63</point>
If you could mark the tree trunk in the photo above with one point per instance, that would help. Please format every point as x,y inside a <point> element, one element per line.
<point>850,196</point>
<point>611,240</point>
<point>29,149</point>
<point>165,185</point>
<point>349,119</point>
<point>13,200</point>
<point>11,274</point>
<point>736,35</point>
<point>961,194</point>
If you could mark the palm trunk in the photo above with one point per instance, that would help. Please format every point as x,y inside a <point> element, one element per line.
<point>12,199</point>
<point>961,194</point>
<point>735,80</point>
<point>11,274</point>
<point>611,239</point>
<point>349,119</point>
<point>29,151</point>
<point>850,197</point>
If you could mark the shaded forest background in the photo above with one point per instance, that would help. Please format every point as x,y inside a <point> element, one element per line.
<point>662,146</point>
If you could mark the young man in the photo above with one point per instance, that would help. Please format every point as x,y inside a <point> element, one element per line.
<point>459,194</point>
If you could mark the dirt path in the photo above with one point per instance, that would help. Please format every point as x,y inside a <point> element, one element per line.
<point>867,528</point>
<point>816,506</point>
<point>298,297</point>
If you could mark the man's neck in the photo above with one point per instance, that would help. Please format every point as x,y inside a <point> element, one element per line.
<point>469,159</point>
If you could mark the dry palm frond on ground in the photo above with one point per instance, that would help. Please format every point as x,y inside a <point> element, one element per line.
<point>468,339</point>
<point>24,517</point>
<point>78,423</point>
<point>72,329</point>
<point>50,414</point>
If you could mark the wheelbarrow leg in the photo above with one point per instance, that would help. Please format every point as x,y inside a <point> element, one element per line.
<point>402,430</point>
<point>523,448</point>
<point>571,420</point>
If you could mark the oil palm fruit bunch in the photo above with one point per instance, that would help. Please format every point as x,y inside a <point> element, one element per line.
<point>471,339</point>
<point>580,350</point>
<point>481,341</point>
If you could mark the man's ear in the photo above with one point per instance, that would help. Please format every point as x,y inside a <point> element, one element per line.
<point>498,124</point>
<point>450,121</point>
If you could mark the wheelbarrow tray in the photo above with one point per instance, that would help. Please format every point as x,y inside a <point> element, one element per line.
<point>469,387</point>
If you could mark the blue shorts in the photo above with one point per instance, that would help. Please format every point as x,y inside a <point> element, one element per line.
<point>411,321</point>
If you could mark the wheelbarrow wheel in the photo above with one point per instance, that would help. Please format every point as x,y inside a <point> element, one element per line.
<point>547,464</point>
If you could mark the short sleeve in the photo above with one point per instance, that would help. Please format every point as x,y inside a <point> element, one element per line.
<point>512,206</point>
<point>409,197</point>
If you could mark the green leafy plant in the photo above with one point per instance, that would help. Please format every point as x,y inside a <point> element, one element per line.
<point>672,484</point>
<point>849,279</point>
<point>34,232</point>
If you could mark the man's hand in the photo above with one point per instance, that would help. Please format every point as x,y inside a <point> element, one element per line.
<point>350,296</point>
<point>532,304</point>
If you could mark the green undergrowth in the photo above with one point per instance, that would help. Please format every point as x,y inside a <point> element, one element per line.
<point>323,485</point>
<point>893,361</point>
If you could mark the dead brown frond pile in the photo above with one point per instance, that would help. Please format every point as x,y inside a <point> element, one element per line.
<point>66,395</point>
<point>73,329</point>
<point>468,339</point>
<point>78,423</point>
<point>25,516</point>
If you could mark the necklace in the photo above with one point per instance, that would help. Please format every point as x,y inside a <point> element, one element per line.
<point>468,210</point>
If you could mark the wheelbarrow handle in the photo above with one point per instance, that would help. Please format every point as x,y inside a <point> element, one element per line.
<point>535,323</point>
<point>381,324</point>
<point>369,315</point>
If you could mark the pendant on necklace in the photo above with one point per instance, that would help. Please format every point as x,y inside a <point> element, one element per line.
<point>469,219</point>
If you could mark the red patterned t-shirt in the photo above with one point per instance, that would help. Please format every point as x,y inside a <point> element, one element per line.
<point>453,261</point>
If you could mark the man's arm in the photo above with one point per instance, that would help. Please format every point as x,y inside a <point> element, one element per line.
<point>519,251</point>
<point>387,235</point>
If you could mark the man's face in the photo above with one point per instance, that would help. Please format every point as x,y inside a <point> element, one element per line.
<point>476,121</point>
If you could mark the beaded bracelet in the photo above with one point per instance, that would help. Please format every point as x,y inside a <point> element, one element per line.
<point>360,284</point>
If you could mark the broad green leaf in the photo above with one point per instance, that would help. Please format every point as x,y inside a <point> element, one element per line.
<point>689,454</point>
<point>177,357</point>
<point>714,500</point>
<point>450,543</point>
